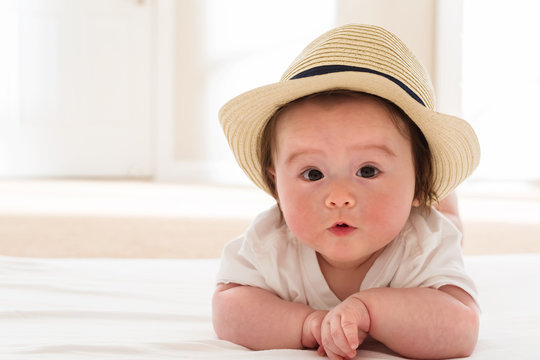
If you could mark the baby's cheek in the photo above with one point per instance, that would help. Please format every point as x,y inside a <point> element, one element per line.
<point>299,219</point>
<point>388,216</point>
<point>295,221</point>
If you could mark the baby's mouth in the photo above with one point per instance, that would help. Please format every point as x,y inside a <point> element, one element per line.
<point>341,229</point>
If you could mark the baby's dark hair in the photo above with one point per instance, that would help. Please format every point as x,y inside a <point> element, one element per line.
<point>424,187</point>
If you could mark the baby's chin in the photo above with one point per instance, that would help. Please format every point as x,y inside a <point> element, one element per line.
<point>344,261</point>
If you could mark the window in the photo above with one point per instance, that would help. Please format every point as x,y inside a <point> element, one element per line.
<point>501,86</point>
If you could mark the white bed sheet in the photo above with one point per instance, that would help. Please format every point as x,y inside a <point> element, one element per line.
<point>160,309</point>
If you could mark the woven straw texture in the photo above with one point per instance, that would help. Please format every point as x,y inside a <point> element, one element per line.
<point>390,65</point>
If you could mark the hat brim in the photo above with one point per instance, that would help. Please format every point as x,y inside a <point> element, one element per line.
<point>452,141</point>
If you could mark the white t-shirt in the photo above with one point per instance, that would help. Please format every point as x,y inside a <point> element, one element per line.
<point>426,253</point>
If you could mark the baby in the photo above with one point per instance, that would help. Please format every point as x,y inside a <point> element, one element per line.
<point>350,146</point>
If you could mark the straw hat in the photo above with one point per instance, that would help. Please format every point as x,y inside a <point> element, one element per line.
<point>360,58</point>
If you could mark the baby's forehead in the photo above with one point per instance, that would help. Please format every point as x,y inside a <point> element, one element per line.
<point>326,102</point>
<point>332,98</point>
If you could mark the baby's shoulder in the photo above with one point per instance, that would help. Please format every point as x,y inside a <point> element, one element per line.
<point>268,234</point>
<point>427,232</point>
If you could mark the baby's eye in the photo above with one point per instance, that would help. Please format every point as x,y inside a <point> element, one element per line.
<point>312,175</point>
<point>367,172</point>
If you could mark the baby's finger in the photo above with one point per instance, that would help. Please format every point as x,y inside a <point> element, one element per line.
<point>340,338</point>
<point>328,343</point>
<point>316,331</point>
<point>333,356</point>
<point>350,329</point>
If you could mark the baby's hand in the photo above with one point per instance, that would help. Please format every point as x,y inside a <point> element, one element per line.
<point>345,328</point>
<point>311,331</point>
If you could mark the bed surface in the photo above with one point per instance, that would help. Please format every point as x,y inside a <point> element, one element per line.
<point>160,309</point>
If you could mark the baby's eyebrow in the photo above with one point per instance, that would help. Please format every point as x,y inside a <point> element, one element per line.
<point>358,148</point>
<point>382,147</point>
<point>295,154</point>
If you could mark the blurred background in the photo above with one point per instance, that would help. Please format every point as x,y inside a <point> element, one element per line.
<point>110,143</point>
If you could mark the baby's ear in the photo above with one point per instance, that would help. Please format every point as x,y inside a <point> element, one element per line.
<point>416,203</point>
<point>271,172</point>
<point>270,180</point>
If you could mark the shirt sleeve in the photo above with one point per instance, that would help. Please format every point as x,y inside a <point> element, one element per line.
<point>253,258</point>
<point>267,256</point>
<point>237,266</point>
<point>432,256</point>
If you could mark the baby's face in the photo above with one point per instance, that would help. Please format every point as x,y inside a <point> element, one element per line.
<point>344,175</point>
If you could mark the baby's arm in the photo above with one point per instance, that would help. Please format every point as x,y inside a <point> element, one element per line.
<point>258,319</point>
<point>414,322</point>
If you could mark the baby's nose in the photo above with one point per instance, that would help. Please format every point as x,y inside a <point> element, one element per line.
<point>340,197</point>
